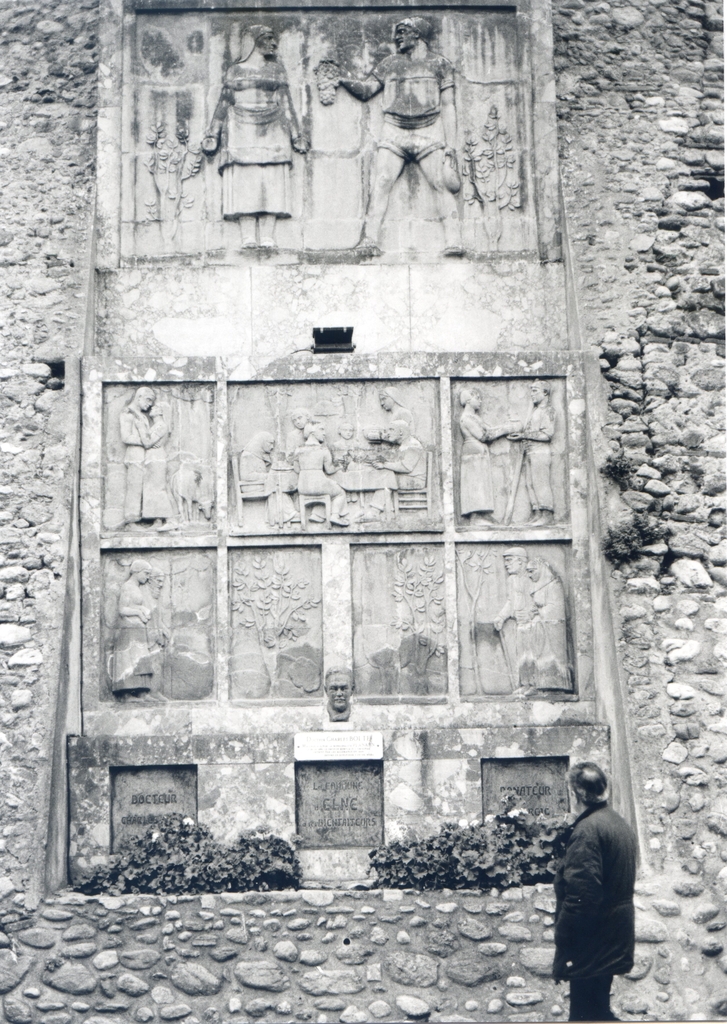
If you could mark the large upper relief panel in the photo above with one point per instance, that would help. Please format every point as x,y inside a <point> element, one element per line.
<point>366,132</point>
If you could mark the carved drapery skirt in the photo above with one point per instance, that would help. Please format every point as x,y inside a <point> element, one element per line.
<point>475,480</point>
<point>250,190</point>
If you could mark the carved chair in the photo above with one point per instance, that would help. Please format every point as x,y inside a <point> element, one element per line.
<point>306,500</point>
<point>241,495</point>
<point>419,500</point>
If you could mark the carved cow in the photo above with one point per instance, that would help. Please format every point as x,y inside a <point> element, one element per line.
<point>192,492</point>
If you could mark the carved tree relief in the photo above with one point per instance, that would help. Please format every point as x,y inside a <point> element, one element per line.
<point>172,162</point>
<point>491,174</point>
<point>276,623</point>
<point>399,621</point>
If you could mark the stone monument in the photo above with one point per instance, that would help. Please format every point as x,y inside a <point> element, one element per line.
<point>339,585</point>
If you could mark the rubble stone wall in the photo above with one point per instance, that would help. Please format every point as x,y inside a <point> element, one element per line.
<point>314,955</point>
<point>640,122</point>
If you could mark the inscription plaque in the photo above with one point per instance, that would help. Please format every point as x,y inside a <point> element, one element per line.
<point>338,746</point>
<point>339,804</point>
<point>140,796</point>
<point>538,784</point>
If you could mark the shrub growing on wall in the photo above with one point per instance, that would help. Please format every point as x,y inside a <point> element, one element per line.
<point>178,856</point>
<point>512,848</point>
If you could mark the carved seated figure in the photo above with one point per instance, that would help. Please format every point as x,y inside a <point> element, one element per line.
<point>315,467</point>
<point>257,479</point>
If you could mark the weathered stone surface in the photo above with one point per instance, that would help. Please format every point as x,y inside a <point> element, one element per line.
<point>132,985</point>
<point>76,979</point>
<point>352,1015</point>
<point>195,980</point>
<point>474,929</point>
<point>650,929</point>
<point>331,982</point>
<point>176,1011</point>
<point>688,887</point>
<point>12,970</point>
<point>515,932</point>
<point>312,957</point>
<point>105,960</point>
<point>76,932</point>
<point>223,953</point>
<point>667,908</point>
<point>492,948</point>
<point>286,950</point>
<point>414,969</point>
<point>469,968</point>
<point>17,1011</point>
<point>524,998</point>
<point>642,966</point>
<point>139,959</point>
<point>413,1007</point>
<point>38,938</point>
<point>263,974</point>
<point>354,954</point>
<point>538,959</point>
<point>259,1007</point>
<point>79,950</point>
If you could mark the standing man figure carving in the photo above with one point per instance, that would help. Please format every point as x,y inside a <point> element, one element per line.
<point>594,891</point>
<point>420,126</point>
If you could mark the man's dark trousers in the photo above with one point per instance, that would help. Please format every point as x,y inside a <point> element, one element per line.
<point>590,998</point>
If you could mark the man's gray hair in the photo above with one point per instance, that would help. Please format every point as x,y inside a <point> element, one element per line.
<point>589,781</point>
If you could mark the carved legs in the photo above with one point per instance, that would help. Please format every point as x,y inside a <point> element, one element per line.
<point>262,225</point>
<point>387,168</point>
<point>433,170</point>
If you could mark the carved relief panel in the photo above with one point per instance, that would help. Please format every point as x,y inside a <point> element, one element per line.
<point>158,625</point>
<point>509,446</point>
<point>276,647</point>
<point>351,456</point>
<point>335,130</point>
<point>514,607</point>
<point>159,470</point>
<point>399,620</point>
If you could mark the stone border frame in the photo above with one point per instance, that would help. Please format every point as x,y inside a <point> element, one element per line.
<point>220,713</point>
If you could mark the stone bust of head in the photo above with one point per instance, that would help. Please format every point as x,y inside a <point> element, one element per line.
<point>339,688</point>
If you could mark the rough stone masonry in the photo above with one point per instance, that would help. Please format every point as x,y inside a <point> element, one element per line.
<point>640,134</point>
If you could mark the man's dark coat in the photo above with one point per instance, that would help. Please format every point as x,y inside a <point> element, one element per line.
<point>594,890</point>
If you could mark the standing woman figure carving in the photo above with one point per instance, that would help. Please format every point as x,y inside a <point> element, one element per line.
<point>256,130</point>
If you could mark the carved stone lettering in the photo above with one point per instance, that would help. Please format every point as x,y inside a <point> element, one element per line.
<point>319,457</point>
<point>159,448</point>
<point>277,642</point>
<point>339,804</point>
<point>158,625</point>
<point>399,622</point>
<point>514,620</point>
<point>509,446</point>
<point>140,796</point>
<point>539,784</point>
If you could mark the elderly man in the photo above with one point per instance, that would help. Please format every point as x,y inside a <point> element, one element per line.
<point>594,890</point>
<point>420,127</point>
